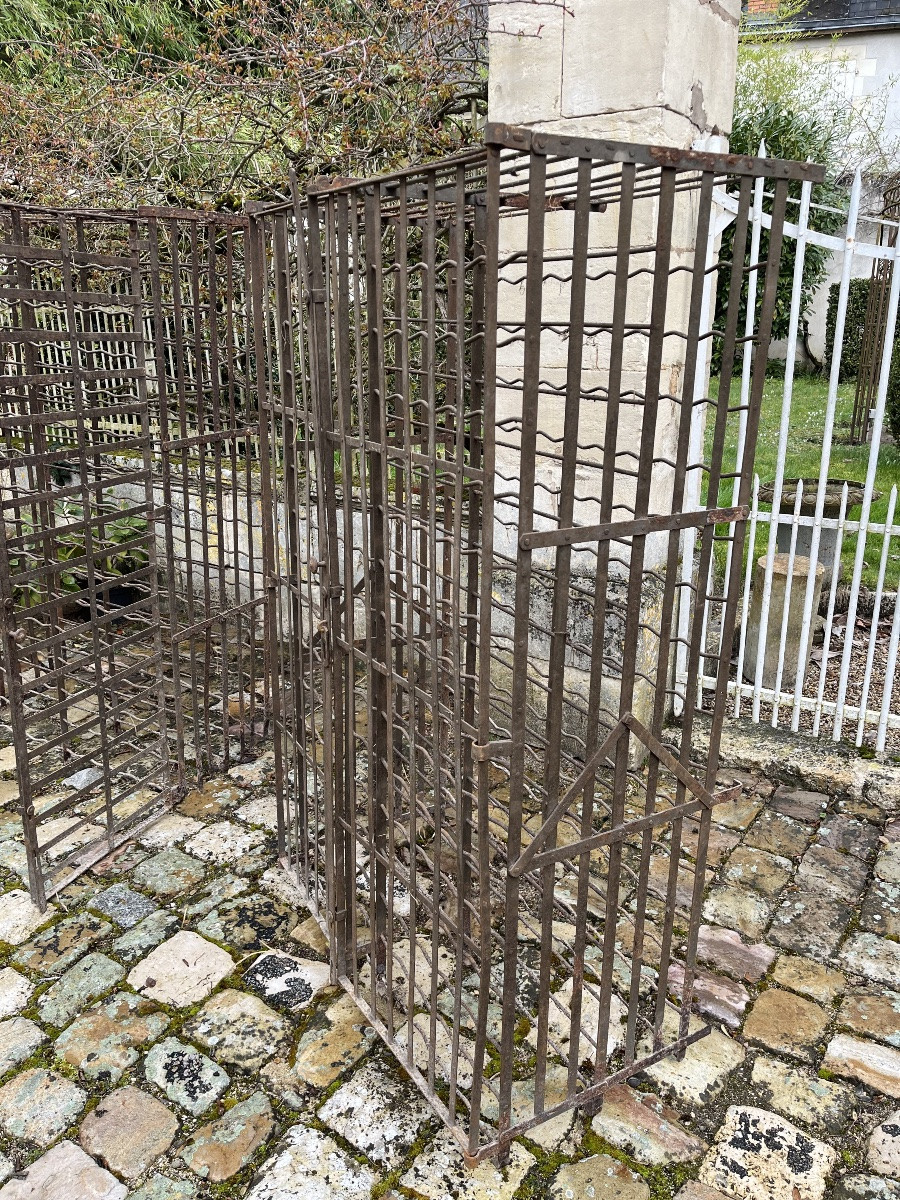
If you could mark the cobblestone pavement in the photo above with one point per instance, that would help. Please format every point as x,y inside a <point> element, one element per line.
<point>167,1031</point>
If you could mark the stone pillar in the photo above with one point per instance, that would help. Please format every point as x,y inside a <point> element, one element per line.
<point>651,71</point>
<point>646,71</point>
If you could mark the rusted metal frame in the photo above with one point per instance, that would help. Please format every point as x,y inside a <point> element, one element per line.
<point>622,530</point>
<point>256,280</point>
<point>214,443</point>
<point>560,611</point>
<point>52,378</point>
<point>396,573</point>
<point>339,206</point>
<point>183,469</point>
<point>745,470</point>
<point>698,283</point>
<point>256,559</point>
<point>599,601</point>
<point>430,430</point>
<point>706,543</point>
<point>661,266</point>
<point>163,449</point>
<point>77,336</point>
<point>287,395</point>
<point>407,416</point>
<point>462,793</point>
<point>382,715</point>
<point>90,412</point>
<point>329,568</point>
<point>199,416</point>
<point>231,431</point>
<point>518,729</point>
<point>43,518</point>
<point>152,599</point>
<point>90,566</point>
<point>306,762</point>
<point>51,255</point>
<point>476,435</point>
<point>568,146</point>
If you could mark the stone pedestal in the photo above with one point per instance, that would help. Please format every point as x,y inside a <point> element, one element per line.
<point>799,577</point>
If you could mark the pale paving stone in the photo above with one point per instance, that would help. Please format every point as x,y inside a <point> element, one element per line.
<point>225,887</point>
<point>786,1023</point>
<point>19,1038</point>
<point>163,1187</point>
<point>809,978</point>
<point>559,1021</point>
<point>760,1154</point>
<point>223,842</point>
<point>249,922</point>
<point>443,1049</point>
<point>169,831</point>
<point>123,905</point>
<point>809,923</point>
<point>222,1148</point>
<point>378,1114</point>
<point>874,957</point>
<point>778,834</point>
<point>145,935</point>
<point>6,1168</point>
<point>439,1173</point>
<point>552,1134</point>
<point>765,873</point>
<point>884,1147</point>
<point>182,970</point>
<point>185,1075</point>
<point>14,992</point>
<point>706,1065</point>
<point>309,934</point>
<point>597,1178</point>
<point>803,1096</point>
<point>699,1191</point>
<point>737,814</point>
<point>866,1187</point>
<point>824,871</point>
<point>875,1065</point>
<point>713,995</point>
<point>252,773</point>
<point>169,874</point>
<point>262,810</point>
<point>90,978</point>
<point>238,1028</point>
<point>887,866</point>
<point>737,908</point>
<point>645,1128</point>
<point>102,1043</point>
<point>64,1173</point>
<point>128,1130</point>
<point>54,950</point>
<point>19,918</point>
<point>284,887</point>
<point>289,983</point>
<point>310,1166</point>
<point>336,1038</point>
<point>38,1105</point>
<point>723,948</point>
<point>875,1014</point>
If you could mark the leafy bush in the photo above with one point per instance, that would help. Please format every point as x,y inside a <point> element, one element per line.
<point>854,325</point>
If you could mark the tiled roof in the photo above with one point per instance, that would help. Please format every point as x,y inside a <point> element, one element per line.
<point>841,14</point>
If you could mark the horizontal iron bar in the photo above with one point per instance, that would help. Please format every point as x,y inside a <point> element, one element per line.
<point>612,530</point>
<point>526,140</point>
<point>619,832</point>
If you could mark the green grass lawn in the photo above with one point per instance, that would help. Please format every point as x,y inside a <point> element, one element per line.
<point>804,452</point>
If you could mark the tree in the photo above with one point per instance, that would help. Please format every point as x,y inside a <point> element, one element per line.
<point>198,103</point>
<point>791,98</point>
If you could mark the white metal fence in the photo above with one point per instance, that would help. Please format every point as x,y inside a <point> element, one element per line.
<point>823,665</point>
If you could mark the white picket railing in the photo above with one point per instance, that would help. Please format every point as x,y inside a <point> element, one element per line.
<point>851,693</point>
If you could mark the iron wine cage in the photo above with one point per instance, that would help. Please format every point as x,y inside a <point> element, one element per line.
<point>477,394</point>
<point>130,545</point>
